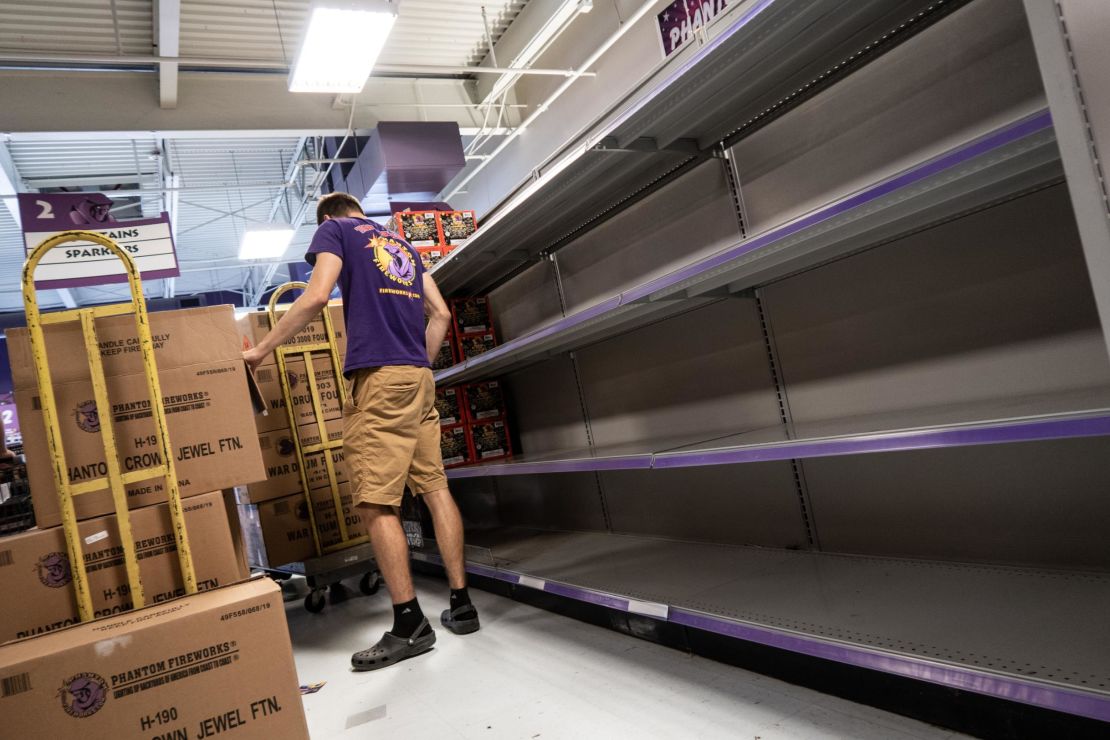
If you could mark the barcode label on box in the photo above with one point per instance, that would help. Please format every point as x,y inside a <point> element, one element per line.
<point>264,375</point>
<point>101,535</point>
<point>5,558</point>
<point>36,403</point>
<point>281,507</point>
<point>264,443</point>
<point>17,684</point>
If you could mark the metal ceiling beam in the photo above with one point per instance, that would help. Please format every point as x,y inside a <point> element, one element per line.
<point>167,29</point>
<point>10,59</point>
<point>56,105</point>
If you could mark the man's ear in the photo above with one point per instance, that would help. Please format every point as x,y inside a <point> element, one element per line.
<point>327,218</point>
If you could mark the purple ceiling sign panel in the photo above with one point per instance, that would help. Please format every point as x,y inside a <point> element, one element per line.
<point>79,264</point>
<point>679,21</point>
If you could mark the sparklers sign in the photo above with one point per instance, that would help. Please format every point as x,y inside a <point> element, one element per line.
<point>680,19</point>
<point>77,264</point>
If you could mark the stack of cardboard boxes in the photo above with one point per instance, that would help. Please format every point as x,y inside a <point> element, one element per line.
<point>178,652</point>
<point>274,510</point>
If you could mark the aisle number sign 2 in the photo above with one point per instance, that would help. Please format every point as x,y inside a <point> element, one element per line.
<point>79,264</point>
<point>679,21</point>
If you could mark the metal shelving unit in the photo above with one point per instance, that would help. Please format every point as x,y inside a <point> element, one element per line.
<point>932,300</point>
<point>1009,160</point>
<point>1001,422</point>
<point>979,628</point>
<point>784,51</point>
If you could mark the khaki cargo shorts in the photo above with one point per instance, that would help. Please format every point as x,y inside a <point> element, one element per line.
<point>391,434</point>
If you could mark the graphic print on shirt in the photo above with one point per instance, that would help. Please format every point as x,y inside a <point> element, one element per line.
<point>394,260</point>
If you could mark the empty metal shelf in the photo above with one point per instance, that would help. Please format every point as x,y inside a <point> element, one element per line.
<point>1028,635</point>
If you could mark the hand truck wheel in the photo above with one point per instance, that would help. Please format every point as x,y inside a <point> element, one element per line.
<point>370,583</point>
<point>315,602</point>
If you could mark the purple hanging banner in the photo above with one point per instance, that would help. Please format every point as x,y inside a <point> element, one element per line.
<point>78,264</point>
<point>679,20</point>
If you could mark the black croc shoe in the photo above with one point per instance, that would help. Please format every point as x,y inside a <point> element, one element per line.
<point>462,620</point>
<point>392,649</point>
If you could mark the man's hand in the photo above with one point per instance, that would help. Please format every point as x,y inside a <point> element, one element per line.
<point>254,357</point>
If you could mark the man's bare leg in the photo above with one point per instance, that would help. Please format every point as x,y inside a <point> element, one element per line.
<point>391,550</point>
<point>462,617</point>
<point>449,535</point>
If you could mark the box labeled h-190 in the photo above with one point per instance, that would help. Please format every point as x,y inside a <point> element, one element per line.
<point>211,665</point>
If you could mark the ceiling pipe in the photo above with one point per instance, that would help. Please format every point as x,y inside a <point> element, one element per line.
<point>9,58</point>
<point>642,11</point>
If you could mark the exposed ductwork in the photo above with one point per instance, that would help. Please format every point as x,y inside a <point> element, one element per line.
<point>409,161</point>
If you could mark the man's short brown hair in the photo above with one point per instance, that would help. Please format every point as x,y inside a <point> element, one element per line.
<point>337,205</point>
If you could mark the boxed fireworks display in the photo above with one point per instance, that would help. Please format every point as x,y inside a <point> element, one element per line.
<point>432,256</point>
<point>36,566</point>
<point>419,228</point>
<point>472,315</point>
<point>449,404</point>
<point>209,413</point>
<point>490,440</point>
<point>484,401</point>
<point>200,666</point>
<point>472,345</point>
<point>455,446</point>
<point>457,226</point>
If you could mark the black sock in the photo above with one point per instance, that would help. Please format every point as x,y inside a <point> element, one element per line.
<point>406,618</point>
<point>460,597</point>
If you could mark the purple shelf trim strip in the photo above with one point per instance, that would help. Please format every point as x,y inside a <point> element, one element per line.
<point>1016,131</point>
<point>585,465</point>
<point>921,669</point>
<point>1091,426</point>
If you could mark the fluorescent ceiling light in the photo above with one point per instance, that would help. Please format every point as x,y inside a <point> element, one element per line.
<point>342,40</point>
<point>261,244</point>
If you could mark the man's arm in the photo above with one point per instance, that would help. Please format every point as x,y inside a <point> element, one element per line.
<point>439,317</point>
<point>303,310</point>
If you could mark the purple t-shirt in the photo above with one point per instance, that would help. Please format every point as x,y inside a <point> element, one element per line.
<point>382,282</point>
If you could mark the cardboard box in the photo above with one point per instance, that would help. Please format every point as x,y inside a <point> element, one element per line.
<point>472,315</point>
<point>484,401</point>
<point>279,454</point>
<point>204,384</point>
<point>446,356</point>
<point>449,404</point>
<point>419,228</point>
<point>277,531</point>
<point>252,327</point>
<point>454,444</point>
<point>490,440</point>
<point>35,567</point>
<point>269,384</point>
<point>181,338</point>
<point>231,506</point>
<point>472,345</point>
<point>210,665</point>
<point>457,226</point>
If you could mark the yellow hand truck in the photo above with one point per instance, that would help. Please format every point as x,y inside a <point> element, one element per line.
<point>349,556</point>
<point>116,481</point>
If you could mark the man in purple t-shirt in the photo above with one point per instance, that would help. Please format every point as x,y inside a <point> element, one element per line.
<point>391,430</point>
